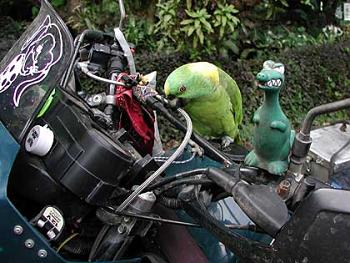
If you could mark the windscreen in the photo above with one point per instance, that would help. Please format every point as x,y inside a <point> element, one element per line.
<point>32,68</point>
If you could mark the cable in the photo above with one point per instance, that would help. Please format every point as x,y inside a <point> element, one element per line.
<point>175,222</point>
<point>162,168</point>
<point>189,181</point>
<point>66,241</point>
<point>161,159</point>
<point>177,176</point>
<point>97,241</point>
<point>84,68</point>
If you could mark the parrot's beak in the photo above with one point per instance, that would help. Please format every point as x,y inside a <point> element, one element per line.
<point>166,89</point>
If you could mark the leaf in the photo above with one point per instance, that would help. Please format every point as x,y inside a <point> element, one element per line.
<point>195,42</point>
<point>35,11</point>
<point>197,24</point>
<point>201,36</point>
<point>188,4</point>
<point>190,13</point>
<point>223,21</point>
<point>186,22</point>
<point>167,18</point>
<point>190,30</point>
<point>57,3</point>
<point>222,31</point>
<point>206,25</point>
<point>284,2</point>
<point>246,52</point>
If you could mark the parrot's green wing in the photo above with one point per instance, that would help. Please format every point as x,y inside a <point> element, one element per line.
<point>214,116</point>
<point>234,93</point>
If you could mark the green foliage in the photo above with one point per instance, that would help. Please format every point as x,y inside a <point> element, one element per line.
<point>167,26</point>
<point>55,3</point>
<point>225,18</point>
<point>58,3</point>
<point>284,38</point>
<point>198,24</point>
<point>199,29</point>
<point>140,33</point>
<point>105,16</point>
<point>274,8</point>
<point>102,16</point>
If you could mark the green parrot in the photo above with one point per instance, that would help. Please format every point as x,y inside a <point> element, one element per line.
<point>211,98</point>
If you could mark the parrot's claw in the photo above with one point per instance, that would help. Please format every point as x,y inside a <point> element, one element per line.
<point>195,148</point>
<point>226,141</point>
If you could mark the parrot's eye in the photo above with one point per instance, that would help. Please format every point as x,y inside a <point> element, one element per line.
<point>182,89</point>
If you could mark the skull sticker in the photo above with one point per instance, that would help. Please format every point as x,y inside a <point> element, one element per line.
<point>38,55</point>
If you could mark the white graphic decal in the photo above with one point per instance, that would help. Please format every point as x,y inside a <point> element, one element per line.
<point>38,54</point>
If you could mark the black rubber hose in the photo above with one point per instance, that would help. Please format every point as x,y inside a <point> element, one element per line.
<point>171,203</point>
<point>78,246</point>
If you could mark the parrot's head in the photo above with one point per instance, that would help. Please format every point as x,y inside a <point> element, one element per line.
<point>192,81</point>
<point>271,77</point>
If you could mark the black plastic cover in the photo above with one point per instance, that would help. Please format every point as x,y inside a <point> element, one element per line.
<point>319,230</point>
<point>263,205</point>
<point>83,158</point>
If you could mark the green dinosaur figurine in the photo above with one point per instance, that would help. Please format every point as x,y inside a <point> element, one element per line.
<point>272,138</point>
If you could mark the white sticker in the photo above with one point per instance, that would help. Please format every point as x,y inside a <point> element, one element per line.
<point>54,217</point>
<point>346,11</point>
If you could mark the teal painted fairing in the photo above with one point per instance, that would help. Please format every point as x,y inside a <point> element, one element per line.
<point>11,245</point>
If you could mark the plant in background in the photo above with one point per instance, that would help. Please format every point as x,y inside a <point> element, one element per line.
<point>167,25</point>
<point>140,33</point>
<point>199,29</point>
<point>102,16</point>
<point>225,19</point>
<point>197,26</point>
<point>274,8</point>
<point>55,3</point>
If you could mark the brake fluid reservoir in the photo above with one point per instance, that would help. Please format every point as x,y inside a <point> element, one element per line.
<point>39,140</point>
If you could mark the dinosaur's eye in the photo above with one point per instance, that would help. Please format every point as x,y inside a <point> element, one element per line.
<point>182,89</point>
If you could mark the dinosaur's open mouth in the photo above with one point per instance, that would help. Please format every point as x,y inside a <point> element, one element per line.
<point>273,83</point>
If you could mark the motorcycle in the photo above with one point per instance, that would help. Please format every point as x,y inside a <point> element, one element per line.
<point>84,176</point>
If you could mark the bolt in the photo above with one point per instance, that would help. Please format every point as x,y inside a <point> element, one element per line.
<point>29,243</point>
<point>51,234</point>
<point>18,230</point>
<point>41,223</point>
<point>42,253</point>
<point>283,188</point>
<point>97,99</point>
<point>126,219</point>
<point>343,127</point>
<point>121,229</point>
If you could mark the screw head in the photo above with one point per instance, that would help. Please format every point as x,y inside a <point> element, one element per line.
<point>121,229</point>
<point>29,243</point>
<point>18,230</point>
<point>51,234</point>
<point>42,253</point>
